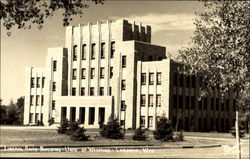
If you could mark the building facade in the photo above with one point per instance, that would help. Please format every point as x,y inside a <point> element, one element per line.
<point>112,68</point>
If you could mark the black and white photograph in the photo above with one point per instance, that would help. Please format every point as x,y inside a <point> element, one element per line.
<point>125,79</point>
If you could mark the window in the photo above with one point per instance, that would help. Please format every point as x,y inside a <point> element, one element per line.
<point>187,102</point>
<point>41,117</point>
<point>123,106</point>
<point>158,100</point>
<point>32,82</point>
<point>175,78</point>
<point>150,100</point>
<point>124,61</point>
<point>143,78</point>
<point>110,91</point>
<point>92,73</point>
<point>92,91</point>
<point>158,78</point>
<point>143,100</point>
<point>151,78</point>
<point>38,82</point>
<point>193,81</point>
<point>102,50</point>
<point>102,72</point>
<point>74,74</point>
<point>101,91</point>
<point>150,58</point>
<point>31,100</point>
<point>54,65</point>
<point>37,100</point>
<point>123,84</point>
<point>188,81</point>
<point>84,51</point>
<point>175,101</point>
<point>54,86</point>
<point>217,104</point>
<point>192,102</point>
<point>112,52</point>
<point>53,104</point>
<point>42,100</point>
<point>111,72</point>
<point>212,103</point>
<point>73,92</point>
<point>43,82</point>
<point>74,52</point>
<point>181,80</point>
<point>93,51</point>
<point>205,103</point>
<point>83,91</point>
<point>122,122</point>
<point>150,121</point>
<point>227,104</point>
<point>83,73</point>
<point>31,118</point>
<point>142,121</point>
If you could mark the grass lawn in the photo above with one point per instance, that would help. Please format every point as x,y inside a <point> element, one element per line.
<point>39,137</point>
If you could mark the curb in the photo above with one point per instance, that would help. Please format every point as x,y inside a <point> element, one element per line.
<point>3,148</point>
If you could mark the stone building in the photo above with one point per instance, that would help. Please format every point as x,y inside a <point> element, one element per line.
<point>112,68</point>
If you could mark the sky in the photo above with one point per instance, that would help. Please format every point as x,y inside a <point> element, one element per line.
<point>171,23</point>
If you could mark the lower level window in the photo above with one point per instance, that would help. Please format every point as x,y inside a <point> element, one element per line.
<point>142,121</point>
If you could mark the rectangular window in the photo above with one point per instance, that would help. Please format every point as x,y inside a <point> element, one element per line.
<point>83,73</point>
<point>150,100</point>
<point>142,121</point>
<point>102,72</point>
<point>37,100</point>
<point>123,84</point>
<point>112,52</point>
<point>143,78</point>
<point>83,91</point>
<point>217,104</point>
<point>38,82</point>
<point>84,51</point>
<point>54,65</point>
<point>92,91</point>
<point>102,50</point>
<point>158,100</point>
<point>101,91</point>
<point>212,103</point>
<point>124,61</point>
<point>227,105</point>
<point>74,74</point>
<point>110,91</point>
<point>205,103</point>
<point>53,104</point>
<point>74,52</point>
<point>150,121</point>
<point>158,78</point>
<point>43,82</point>
<point>192,102</point>
<point>42,100</point>
<point>187,81</point>
<point>31,118</point>
<point>54,86</point>
<point>143,100</point>
<point>73,92</point>
<point>93,51</point>
<point>123,106</point>
<point>31,100</point>
<point>175,78</point>
<point>32,82</point>
<point>92,73</point>
<point>175,101</point>
<point>111,72</point>
<point>151,78</point>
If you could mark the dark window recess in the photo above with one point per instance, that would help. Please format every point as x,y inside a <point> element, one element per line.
<point>123,105</point>
<point>53,104</point>
<point>73,91</point>
<point>102,50</point>
<point>175,101</point>
<point>83,91</point>
<point>192,102</point>
<point>158,78</point>
<point>188,81</point>
<point>110,91</point>
<point>187,102</point>
<point>227,104</point>
<point>38,82</point>
<point>74,74</point>
<point>74,52</point>
<point>151,78</point>
<point>93,50</point>
<point>54,86</point>
<point>143,100</point>
<point>150,58</point>
<point>84,51</point>
<point>102,72</point>
<point>212,103</point>
<point>217,104</point>
<point>205,103</point>
<point>92,73</point>
<point>112,51</point>
<point>123,85</point>
<point>54,65</point>
<point>43,82</point>
<point>111,72</point>
<point>124,61</point>
<point>175,79</point>
<point>32,82</point>
<point>181,80</point>
<point>101,91</point>
<point>92,91</point>
<point>83,73</point>
<point>143,78</point>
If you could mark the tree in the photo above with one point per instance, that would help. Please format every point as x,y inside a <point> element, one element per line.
<point>164,130</point>
<point>20,107</point>
<point>73,126</point>
<point>112,130</point>
<point>139,135</point>
<point>79,135</point>
<point>220,50</point>
<point>22,13</point>
<point>64,127</point>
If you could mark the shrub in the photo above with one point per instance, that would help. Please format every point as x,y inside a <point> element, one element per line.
<point>164,130</point>
<point>139,135</point>
<point>79,135</point>
<point>64,127</point>
<point>112,130</point>
<point>51,121</point>
<point>179,136</point>
<point>39,123</point>
<point>73,126</point>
